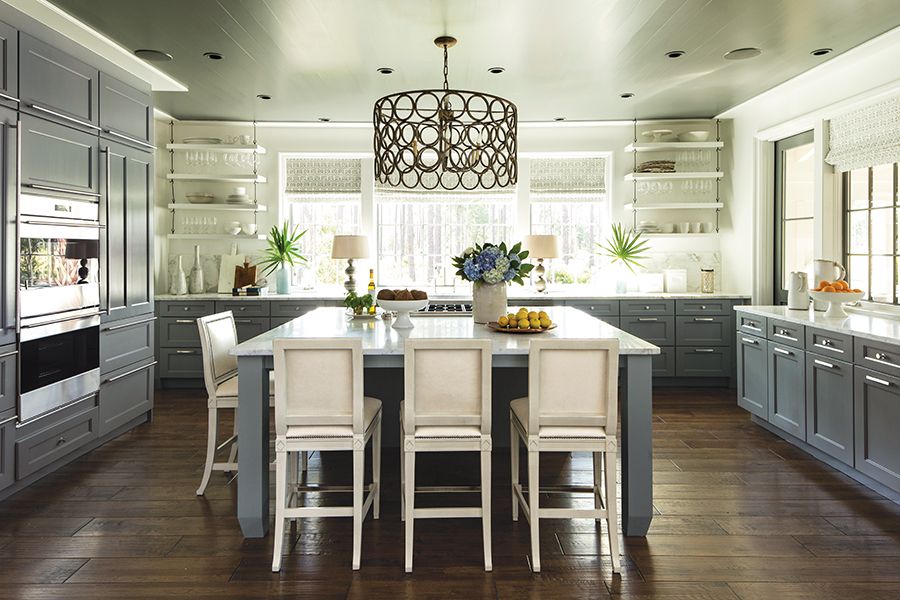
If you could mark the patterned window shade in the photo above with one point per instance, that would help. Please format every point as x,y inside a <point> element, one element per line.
<point>568,178</point>
<point>323,176</point>
<point>866,137</point>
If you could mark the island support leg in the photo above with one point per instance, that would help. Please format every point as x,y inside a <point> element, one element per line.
<point>637,445</point>
<point>253,446</point>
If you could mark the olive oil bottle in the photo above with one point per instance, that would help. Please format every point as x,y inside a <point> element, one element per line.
<point>371,290</point>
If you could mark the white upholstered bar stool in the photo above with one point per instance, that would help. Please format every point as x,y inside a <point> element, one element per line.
<point>571,407</point>
<point>218,336</point>
<point>446,408</point>
<point>319,405</point>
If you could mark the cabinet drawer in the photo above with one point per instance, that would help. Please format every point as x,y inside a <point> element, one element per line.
<point>188,308</point>
<point>289,308</point>
<point>180,363</point>
<point>786,333</point>
<point>703,331</point>
<point>656,330</point>
<point>663,364</point>
<point>8,375</point>
<point>50,438</point>
<point>125,395</point>
<point>876,422</point>
<point>56,158</point>
<point>245,308</point>
<point>126,113</point>
<point>57,86</point>
<point>250,327</point>
<point>709,306</point>
<point>829,407</point>
<point>713,361</point>
<point>787,389</point>
<point>826,343</point>
<point>7,448</point>
<point>878,356</point>
<point>597,308</point>
<point>179,333</point>
<point>752,324</point>
<point>646,307</point>
<point>9,59</point>
<point>123,344</point>
<point>752,375</point>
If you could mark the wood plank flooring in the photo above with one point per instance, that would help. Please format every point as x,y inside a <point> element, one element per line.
<point>741,515</point>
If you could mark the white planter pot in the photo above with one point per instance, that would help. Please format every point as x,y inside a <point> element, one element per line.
<point>488,301</point>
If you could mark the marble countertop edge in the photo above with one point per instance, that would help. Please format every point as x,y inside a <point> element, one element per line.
<point>858,323</point>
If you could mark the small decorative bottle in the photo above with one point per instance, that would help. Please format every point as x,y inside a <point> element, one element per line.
<point>196,285</point>
<point>177,281</point>
<point>707,281</point>
<point>371,290</point>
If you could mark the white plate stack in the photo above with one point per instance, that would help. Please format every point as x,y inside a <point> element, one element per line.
<point>202,140</point>
<point>238,195</point>
<point>648,227</point>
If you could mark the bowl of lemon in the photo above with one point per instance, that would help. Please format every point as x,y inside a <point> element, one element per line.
<point>523,321</point>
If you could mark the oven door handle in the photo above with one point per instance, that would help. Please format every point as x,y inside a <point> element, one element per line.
<point>50,188</point>
<point>92,225</point>
<point>55,321</point>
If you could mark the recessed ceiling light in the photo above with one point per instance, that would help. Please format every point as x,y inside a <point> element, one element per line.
<point>821,51</point>
<point>559,119</point>
<point>213,55</point>
<point>675,54</point>
<point>264,96</point>
<point>324,119</point>
<point>496,70</point>
<point>385,70</point>
<point>152,55</point>
<point>626,95</point>
<point>742,53</point>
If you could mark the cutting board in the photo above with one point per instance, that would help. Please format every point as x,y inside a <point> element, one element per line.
<point>226,271</point>
<point>244,275</point>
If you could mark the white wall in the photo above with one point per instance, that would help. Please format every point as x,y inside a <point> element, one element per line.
<point>862,75</point>
<point>334,138</point>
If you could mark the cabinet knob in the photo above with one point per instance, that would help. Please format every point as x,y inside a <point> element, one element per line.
<point>646,308</point>
<point>243,308</point>
<point>881,356</point>
<point>826,342</point>
<point>60,441</point>
<point>186,308</point>
<point>702,307</point>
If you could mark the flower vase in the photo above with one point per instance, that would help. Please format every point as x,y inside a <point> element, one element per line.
<point>177,280</point>
<point>195,283</point>
<point>283,279</point>
<point>488,301</point>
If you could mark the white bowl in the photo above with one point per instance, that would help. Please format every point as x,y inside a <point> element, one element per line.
<point>403,308</point>
<point>693,136</point>
<point>249,228</point>
<point>837,300</point>
<point>197,198</point>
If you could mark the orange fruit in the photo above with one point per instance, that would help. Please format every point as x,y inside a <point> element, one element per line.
<point>829,288</point>
<point>840,285</point>
<point>822,284</point>
<point>856,291</point>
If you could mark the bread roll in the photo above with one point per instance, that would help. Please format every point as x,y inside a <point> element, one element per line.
<point>386,295</point>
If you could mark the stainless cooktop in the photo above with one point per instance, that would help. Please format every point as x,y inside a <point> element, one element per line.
<point>445,309</point>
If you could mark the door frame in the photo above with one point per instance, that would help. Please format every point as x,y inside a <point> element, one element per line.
<point>779,294</point>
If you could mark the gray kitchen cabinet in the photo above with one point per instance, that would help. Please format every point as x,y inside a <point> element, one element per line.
<point>244,308</point>
<point>656,330</point>
<point>707,306</point>
<point>180,363</point>
<point>124,396</point>
<point>787,388</point>
<point>709,361</point>
<point>787,333</point>
<point>752,325</point>
<point>663,364</point>
<point>878,356</point>
<point>126,212</point>
<point>57,159</point>
<point>45,440</point>
<point>9,62</point>
<point>827,343</point>
<point>126,113</point>
<point>179,332</point>
<point>8,377</point>
<point>829,406</point>
<point>185,308</point>
<point>7,448</point>
<point>631,308</point>
<point>57,86</point>
<point>124,343</point>
<point>752,375</point>
<point>8,283</point>
<point>703,331</point>
<point>596,308</point>
<point>876,415</point>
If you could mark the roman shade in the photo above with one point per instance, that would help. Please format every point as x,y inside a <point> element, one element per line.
<point>567,178</point>
<point>322,176</point>
<point>866,137</point>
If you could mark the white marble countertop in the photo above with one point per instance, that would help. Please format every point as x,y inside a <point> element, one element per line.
<point>858,323</point>
<point>514,294</point>
<point>378,337</point>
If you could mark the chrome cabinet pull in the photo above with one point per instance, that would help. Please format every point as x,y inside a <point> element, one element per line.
<point>878,381</point>
<point>783,333</point>
<point>8,97</point>
<point>131,372</point>
<point>828,347</point>
<point>127,325</point>
<point>13,353</point>
<point>881,356</point>
<point>647,319</point>
<point>749,341</point>
<point>128,138</point>
<point>243,320</point>
<point>881,359</point>
<point>60,441</point>
<point>185,321</point>
<point>822,363</point>
<point>9,420</point>
<point>751,325</point>
<point>781,351</point>
<point>703,319</point>
<point>185,352</point>
<point>705,350</point>
<point>64,116</point>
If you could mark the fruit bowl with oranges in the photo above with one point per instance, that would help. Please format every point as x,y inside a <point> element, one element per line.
<point>836,293</point>
<point>523,321</point>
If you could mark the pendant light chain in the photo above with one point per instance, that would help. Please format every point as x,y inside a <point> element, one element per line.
<point>446,70</point>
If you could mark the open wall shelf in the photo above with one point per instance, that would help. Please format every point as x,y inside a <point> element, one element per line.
<point>667,146</point>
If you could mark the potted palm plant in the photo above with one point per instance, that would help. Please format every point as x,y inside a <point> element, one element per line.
<point>282,253</point>
<point>625,248</point>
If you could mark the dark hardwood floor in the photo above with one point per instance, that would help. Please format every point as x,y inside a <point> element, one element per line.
<point>740,514</point>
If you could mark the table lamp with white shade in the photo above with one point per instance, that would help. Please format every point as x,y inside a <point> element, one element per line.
<point>350,247</point>
<point>541,247</point>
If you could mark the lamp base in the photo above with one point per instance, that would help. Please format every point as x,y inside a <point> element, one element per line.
<point>350,284</point>
<point>541,284</point>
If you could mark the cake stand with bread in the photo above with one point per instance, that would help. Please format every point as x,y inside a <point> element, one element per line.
<point>402,302</point>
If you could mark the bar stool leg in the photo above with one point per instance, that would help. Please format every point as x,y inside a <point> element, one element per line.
<point>612,522</point>
<point>376,469</point>
<point>402,475</point>
<point>534,509</point>
<point>486,508</point>
<point>232,456</point>
<point>358,471</point>
<point>409,487</point>
<point>514,467</point>
<point>281,459</point>
<point>596,460</point>
<point>211,435</point>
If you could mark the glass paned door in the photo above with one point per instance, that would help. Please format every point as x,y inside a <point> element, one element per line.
<point>794,196</point>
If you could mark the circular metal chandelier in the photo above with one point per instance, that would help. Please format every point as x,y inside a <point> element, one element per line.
<point>446,138</point>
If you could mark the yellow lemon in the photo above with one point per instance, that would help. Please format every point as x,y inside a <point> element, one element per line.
<point>513,322</point>
<point>535,323</point>
<point>532,315</point>
<point>543,315</point>
<point>510,316</point>
<point>523,324</point>
<point>502,321</point>
<point>522,311</point>
<point>545,322</point>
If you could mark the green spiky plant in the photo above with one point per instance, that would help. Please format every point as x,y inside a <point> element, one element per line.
<point>284,247</point>
<point>625,246</point>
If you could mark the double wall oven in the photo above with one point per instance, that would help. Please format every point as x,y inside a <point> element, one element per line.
<point>58,297</point>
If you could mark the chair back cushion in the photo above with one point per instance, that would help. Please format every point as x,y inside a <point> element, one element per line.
<point>573,383</point>
<point>217,337</point>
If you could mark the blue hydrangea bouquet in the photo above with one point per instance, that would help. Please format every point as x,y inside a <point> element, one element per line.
<point>490,264</point>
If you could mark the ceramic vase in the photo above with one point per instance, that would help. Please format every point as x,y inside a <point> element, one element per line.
<point>195,283</point>
<point>488,301</point>
<point>283,279</point>
<point>177,280</point>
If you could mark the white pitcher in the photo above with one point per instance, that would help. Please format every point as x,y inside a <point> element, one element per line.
<point>824,269</point>
<point>798,291</point>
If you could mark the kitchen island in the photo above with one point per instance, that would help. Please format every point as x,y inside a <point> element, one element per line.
<point>383,349</point>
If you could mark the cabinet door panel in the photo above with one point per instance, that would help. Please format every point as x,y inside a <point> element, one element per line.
<point>126,113</point>
<point>56,438</point>
<point>180,363</point>
<point>656,330</point>
<point>58,157</point>
<point>703,331</point>
<point>876,420</point>
<point>7,448</point>
<point>713,361</point>
<point>9,61</point>
<point>245,308</point>
<point>787,389</point>
<point>646,307</point>
<point>8,283</point>
<point>829,406</point>
<point>124,396</point>
<point>112,238</point>
<point>710,306</point>
<point>596,308</point>
<point>125,343</point>
<point>664,362</point>
<point>8,378</point>
<point>139,232</point>
<point>752,376</point>
<point>179,333</point>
